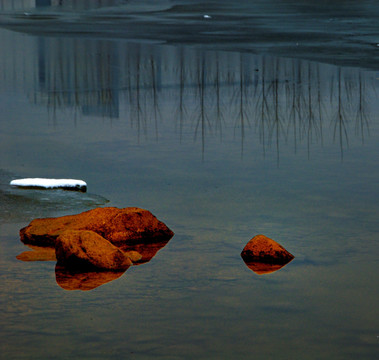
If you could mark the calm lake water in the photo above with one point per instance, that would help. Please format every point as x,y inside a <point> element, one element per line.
<point>220,134</point>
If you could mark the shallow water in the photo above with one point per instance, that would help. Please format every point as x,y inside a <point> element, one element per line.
<point>221,146</point>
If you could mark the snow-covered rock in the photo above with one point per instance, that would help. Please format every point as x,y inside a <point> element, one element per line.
<point>43,183</point>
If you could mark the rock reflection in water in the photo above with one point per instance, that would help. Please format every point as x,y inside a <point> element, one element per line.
<point>264,268</point>
<point>147,250</point>
<point>70,280</point>
<point>38,253</point>
<point>73,280</point>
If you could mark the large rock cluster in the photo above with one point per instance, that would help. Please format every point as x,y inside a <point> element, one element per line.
<point>106,239</point>
<point>116,225</point>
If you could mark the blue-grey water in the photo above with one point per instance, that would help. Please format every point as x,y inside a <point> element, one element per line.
<point>259,118</point>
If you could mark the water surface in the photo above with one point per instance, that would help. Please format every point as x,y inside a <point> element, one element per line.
<point>340,32</point>
<point>221,146</point>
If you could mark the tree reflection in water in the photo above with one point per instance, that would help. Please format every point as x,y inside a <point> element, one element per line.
<point>202,94</point>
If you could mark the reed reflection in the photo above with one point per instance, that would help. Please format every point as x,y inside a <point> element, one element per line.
<point>202,94</point>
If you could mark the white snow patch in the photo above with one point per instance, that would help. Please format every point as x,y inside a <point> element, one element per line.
<point>49,183</point>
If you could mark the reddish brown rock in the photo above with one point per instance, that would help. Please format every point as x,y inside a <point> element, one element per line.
<point>81,249</point>
<point>265,250</point>
<point>115,225</point>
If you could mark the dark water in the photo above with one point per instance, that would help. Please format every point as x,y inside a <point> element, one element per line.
<point>342,32</point>
<point>206,126</point>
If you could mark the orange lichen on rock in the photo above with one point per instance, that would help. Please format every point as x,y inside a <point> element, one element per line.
<point>115,225</point>
<point>265,250</point>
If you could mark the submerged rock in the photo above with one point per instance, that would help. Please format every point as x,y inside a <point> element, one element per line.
<point>261,249</point>
<point>115,225</point>
<point>83,249</point>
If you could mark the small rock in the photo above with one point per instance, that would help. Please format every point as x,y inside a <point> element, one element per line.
<point>263,249</point>
<point>85,249</point>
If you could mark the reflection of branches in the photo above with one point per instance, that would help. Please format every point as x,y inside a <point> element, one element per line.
<point>276,127</point>
<point>241,113</point>
<point>138,110</point>
<point>361,118</point>
<point>280,100</point>
<point>340,119</point>
<point>219,114</point>
<point>319,102</point>
<point>314,127</point>
<point>155,102</point>
<point>262,113</point>
<point>294,114</point>
<point>202,115</point>
<point>181,112</point>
